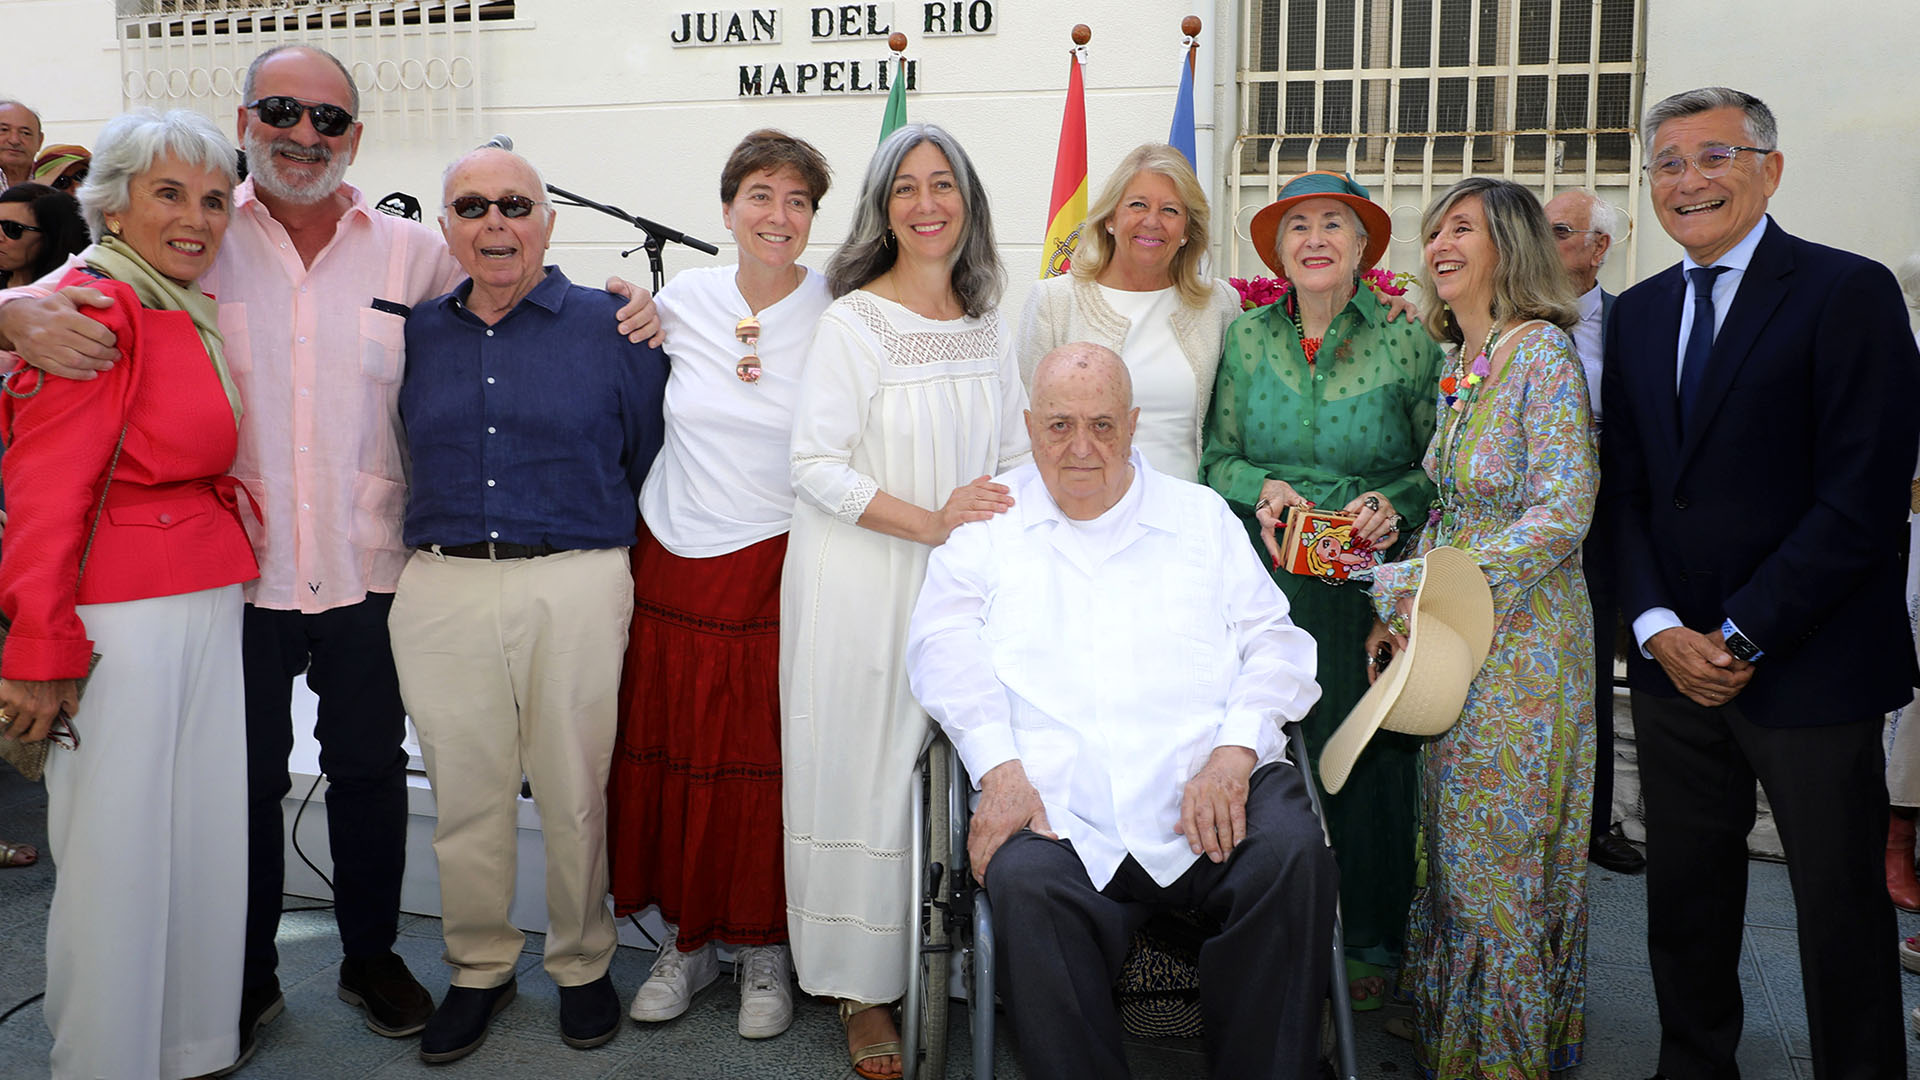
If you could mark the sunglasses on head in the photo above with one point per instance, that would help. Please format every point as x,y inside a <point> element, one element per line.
<point>511,206</point>
<point>284,112</point>
<point>14,230</point>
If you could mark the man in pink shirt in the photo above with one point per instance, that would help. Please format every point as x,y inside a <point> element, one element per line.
<point>314,288</point>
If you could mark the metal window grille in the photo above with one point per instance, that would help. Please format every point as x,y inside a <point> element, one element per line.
<point>414,61</point>
<point>1415,94</point>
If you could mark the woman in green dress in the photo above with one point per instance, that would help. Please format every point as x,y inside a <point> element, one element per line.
<point>1319,400</point>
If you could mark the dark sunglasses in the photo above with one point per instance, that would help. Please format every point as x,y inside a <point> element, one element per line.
<point>511,206</point>
<point>284,112</point>
<point>16,229</point>
<point>69,180</point>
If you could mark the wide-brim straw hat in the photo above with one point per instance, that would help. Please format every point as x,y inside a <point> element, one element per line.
<point>1424,689</point>
<point>1322,185</point>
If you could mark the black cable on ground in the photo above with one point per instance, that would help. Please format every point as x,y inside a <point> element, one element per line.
<point>5,1016</point>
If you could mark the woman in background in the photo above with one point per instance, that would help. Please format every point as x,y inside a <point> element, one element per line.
<point>39,229</point>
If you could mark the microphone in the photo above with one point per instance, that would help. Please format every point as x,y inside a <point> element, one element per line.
<point>498,142</point>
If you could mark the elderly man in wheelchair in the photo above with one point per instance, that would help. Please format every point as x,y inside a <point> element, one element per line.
<point>1113,664</point>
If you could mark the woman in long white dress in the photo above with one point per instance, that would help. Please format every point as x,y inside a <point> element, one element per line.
<point>912,402</point>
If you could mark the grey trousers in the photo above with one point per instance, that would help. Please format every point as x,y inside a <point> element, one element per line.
<point>1262,978</point>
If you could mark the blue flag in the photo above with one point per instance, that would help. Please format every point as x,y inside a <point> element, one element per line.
<point>1181,134</point>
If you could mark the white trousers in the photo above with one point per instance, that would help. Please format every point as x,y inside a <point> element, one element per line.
<point>148,828</point>
<point>508,669</point>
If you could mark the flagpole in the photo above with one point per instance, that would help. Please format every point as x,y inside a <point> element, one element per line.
<point>1190,29</point>
<point>895,115</point>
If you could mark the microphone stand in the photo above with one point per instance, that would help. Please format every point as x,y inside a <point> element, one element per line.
<point>658,235</point>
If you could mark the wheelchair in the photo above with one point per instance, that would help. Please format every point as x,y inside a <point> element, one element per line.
<point>952,951</point>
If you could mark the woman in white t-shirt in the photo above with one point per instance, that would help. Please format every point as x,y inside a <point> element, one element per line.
<point>1137,288</point>
<point>694,798</point>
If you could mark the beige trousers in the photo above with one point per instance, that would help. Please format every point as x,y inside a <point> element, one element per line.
<point>512,668</point>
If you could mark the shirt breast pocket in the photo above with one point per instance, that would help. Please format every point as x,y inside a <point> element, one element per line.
<point>383,341</point>
<point>235,343</point>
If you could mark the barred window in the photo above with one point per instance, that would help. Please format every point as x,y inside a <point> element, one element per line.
<point>1449,86</point>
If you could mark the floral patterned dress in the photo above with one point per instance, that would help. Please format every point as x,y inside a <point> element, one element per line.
<point>1497,939</point>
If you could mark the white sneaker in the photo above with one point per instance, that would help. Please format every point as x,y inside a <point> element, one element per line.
<point>765,975</point>
<point>676,977</point>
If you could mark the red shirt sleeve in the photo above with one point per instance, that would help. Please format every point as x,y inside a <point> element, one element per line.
<point>59,442</point>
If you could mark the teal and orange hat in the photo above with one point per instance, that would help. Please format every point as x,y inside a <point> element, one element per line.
<point>1322,185</point>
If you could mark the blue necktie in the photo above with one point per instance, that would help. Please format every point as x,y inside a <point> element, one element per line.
<point>1693,363</point>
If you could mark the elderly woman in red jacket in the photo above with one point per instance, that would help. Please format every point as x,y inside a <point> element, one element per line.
<point>123,540</point>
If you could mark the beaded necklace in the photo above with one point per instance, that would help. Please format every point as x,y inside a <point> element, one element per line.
<point>1310,346</point>
<point>1463,393</point>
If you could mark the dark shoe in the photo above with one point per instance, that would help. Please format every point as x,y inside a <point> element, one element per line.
<point>459,1025</point>
<point>258,1008</point>
<point>1615,852</point>
<point>589,1014</point>
<point>395,1002</point>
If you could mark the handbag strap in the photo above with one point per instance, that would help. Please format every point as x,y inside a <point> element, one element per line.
<point>100,508</point>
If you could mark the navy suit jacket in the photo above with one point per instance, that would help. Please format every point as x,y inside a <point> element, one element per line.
<point>1785,506</point>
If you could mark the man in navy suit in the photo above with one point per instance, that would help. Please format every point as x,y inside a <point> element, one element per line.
<point>1584,227</point>
<point>1760,437</point>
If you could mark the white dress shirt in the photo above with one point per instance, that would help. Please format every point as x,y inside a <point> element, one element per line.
<point>1588,344</point>
<point>1654,620</point>
<point>1110,662</point>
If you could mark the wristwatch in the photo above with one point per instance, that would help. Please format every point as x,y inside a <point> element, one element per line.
<point>1741,646</point>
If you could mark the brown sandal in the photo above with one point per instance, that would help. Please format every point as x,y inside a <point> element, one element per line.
<point>17,856</point>
<point>872,1051</point>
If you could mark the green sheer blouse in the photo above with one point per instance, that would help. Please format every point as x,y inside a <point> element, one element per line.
<point>1358,419</point>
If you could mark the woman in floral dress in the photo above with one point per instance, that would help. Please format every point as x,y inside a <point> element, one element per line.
<point>1496,941</point>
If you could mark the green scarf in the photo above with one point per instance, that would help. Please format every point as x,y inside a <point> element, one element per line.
<point>115,258</point>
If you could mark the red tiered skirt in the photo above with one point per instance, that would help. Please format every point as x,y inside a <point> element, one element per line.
<point>693,801</point>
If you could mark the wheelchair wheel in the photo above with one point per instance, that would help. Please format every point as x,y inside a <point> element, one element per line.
<point>924,1012</point>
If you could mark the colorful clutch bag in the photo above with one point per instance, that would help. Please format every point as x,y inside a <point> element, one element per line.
<point>1321,543</point>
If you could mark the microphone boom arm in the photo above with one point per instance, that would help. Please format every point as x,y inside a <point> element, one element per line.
<point>658,235</point>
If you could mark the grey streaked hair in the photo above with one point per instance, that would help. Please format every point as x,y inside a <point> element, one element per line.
<point>1528,283</point>
<point>539,191</point>
<point>1761,129</point>
<point>132,142</point>
<point>253,72</point>
<point>868,252</point>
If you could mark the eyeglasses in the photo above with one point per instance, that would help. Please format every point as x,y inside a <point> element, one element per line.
<point>1562,231</point>
<point>511,206</point>
<point>16,229</point>
<point>284,112</point>
<point>748,331</point>
<point>69,180</point>
<point>1713,162</point>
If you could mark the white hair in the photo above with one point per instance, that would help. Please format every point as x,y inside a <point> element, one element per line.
<point>132,142</point>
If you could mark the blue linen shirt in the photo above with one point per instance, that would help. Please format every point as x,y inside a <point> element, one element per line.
<point>537,429</point>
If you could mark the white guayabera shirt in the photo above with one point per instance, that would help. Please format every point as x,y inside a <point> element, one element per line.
<point>1110,657</point>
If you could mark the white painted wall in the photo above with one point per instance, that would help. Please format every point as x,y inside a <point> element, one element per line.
<point>593,92</point>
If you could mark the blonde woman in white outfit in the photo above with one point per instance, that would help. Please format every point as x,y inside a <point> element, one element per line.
<point>912,401</point>
<point>1136,287</point>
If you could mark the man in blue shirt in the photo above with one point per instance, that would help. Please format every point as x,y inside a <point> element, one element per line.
<point>531,423</point>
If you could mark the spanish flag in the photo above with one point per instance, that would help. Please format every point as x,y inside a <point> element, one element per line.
<point>1067,209</point>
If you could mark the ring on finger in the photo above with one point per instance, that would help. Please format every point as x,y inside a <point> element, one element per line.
<point>1371,502</point>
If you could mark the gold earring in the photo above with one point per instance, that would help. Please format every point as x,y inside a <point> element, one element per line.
<point>113,227</point>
